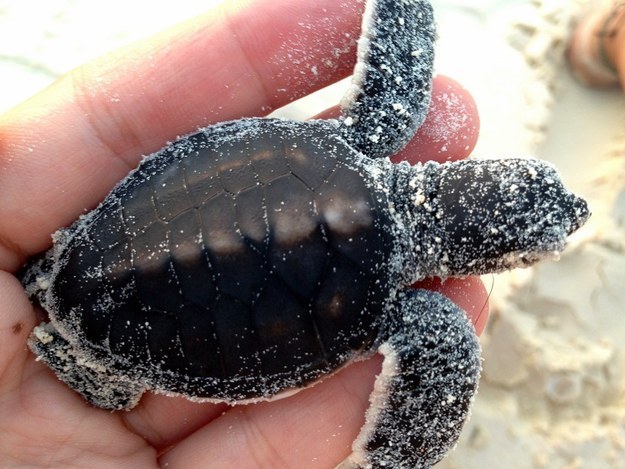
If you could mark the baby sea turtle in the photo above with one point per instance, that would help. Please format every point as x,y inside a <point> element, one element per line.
<point>257,256</point>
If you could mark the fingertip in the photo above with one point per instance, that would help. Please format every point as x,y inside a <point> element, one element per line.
<point>469,293</point>
<point>451,128</point>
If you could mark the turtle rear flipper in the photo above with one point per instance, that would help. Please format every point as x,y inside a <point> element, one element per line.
<point>391,87</point>
<point>422,396</point>
<point>94,381</point>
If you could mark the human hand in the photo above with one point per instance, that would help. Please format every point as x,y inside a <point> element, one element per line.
<point>64,149</point>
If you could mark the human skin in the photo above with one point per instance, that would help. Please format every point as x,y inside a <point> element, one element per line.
<point>64,149</point>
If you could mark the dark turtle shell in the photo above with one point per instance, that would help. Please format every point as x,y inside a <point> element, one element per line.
<point>243,253</point>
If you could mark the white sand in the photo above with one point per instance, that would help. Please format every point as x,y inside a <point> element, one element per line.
<point>553,391</point>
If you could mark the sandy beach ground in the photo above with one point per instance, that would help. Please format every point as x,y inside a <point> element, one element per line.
<point>553,388</point>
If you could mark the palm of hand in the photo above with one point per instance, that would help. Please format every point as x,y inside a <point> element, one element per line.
<point>48,177</point>
<point>44,422</point>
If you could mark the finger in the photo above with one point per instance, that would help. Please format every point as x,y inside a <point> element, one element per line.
<point>64,149</point>
<point>163,421</point>
<point>451,128</point>
<point>314,428</point>
<point>468,293</point>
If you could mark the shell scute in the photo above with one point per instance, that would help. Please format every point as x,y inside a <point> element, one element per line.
<point>117,263</point>
<point>238,269</point>
<point>190,261</point>
<point>126,333</point>
<point>171,196</point>
<point>298,252</point>
<point>350,221</point>
<point>155,280</point>
<point>236,338</point>
<point>251,214</point>
<point>199,342</point>
<point>267,158</point>
<point>108,226</point>
<point>281,313</point>
<point>308,165</point>
<point>162,331</point>
<point>237,176</point>
<point>202,187</point>
<point>342,306</point>
<point>138,208</point>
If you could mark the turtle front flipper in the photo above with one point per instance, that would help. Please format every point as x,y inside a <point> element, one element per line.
<point>422,396</point>
<point>390,91</point>
<point>94,381</point>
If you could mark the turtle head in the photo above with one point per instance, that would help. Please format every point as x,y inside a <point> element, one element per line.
<point>494,215</point>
